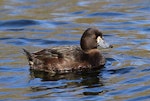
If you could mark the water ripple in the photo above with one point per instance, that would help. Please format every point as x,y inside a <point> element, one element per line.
<point>17,23</point>
<point>106,14</point>
<point>25,41</point>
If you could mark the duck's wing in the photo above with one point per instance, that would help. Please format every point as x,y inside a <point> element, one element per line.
<point>48,53</point>
<point>55,58</point>
<point>59,52</point>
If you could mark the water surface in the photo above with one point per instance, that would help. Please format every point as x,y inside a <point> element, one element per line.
<point>38,24</point>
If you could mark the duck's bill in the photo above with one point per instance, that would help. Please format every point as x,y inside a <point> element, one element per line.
<point>102,43</point>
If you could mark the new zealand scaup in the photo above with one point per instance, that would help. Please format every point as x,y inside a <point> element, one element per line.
<point>71,58</point>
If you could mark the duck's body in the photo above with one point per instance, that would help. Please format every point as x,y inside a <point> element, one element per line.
<point>69,58</point>
<point>64,59</point>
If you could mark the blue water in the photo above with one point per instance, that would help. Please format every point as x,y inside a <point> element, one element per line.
<point>36,24</point>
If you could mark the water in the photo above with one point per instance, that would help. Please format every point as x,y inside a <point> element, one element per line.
<point>38,24</point>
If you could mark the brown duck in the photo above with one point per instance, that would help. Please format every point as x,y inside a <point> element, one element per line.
<point>71,58</point>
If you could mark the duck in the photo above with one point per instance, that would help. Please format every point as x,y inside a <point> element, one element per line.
<point>86,56</point>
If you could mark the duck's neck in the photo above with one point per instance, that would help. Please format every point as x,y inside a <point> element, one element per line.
<point>93,56</point>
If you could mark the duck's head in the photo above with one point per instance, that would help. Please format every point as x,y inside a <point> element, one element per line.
<point>91,39</point>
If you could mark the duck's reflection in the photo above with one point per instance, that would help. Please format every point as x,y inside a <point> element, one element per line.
<point>85,80</point>
<point>45,76</point>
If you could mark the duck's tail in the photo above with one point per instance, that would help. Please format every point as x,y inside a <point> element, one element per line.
<point>28,54</point>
